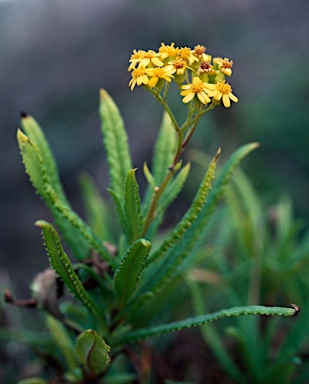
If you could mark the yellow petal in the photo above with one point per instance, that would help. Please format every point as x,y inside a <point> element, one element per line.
<point>189,97</point>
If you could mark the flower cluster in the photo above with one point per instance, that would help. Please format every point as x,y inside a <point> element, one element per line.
<point>199,76</point>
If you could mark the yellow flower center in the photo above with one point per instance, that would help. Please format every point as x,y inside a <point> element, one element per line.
<point>223,88</point>
<point>199,50</point>
<point>150,54</point>
<point>197,88</point>
<point>138,72</point>
<point>185,53</point>
<point>179,64</point>
<point>158,72</point>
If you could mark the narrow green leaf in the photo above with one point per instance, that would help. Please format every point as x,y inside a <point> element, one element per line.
<point>128,274</point>
<point>36,135</point>
<point>93,353</point>
<point>164,151</point>
<point>168,196</point>
<point>76,233</point>
<point>149,176</point>
<point>63,341</point>
<point>96,209</point>
<point>33,162</point>
<point>115,142</point>
<point>183,247</point>
<point>203,319</point>
<point>67,220</point>
<point>118,203</point>
<point>132,207</point>
<point>192,212</point>
<point>63,267</point>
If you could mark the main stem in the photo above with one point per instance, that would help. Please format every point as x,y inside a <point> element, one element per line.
<point>194,114</point>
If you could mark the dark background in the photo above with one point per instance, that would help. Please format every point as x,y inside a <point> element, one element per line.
<point>55,55</point>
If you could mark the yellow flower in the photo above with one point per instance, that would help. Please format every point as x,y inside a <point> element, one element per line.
<point>221,90</point>
<point>151,57</point>
<point>136,58</point>
<point>179,65</point>
<point>139,77</point>
<point>205,67</point>
<point>187,55</point>
<point>199,51</point>
<point>225,66</point>
<point>196,88</point>
<point>168,51</point>
<point>155,74</point>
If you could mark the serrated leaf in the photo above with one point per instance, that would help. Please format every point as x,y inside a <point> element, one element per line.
<point>76,233</point>
<point>115,142</point>
<point>68,220</point>
<point>33,162</point>
<point>128,274</point>
<point>63,267</point>
<point>192,213</point>
<point>37,137</point>
<point>203,319</point>
<point>132,207</point>
<point>183,246</point>
<point>93,353</point>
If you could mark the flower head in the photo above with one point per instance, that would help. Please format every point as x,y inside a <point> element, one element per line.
<point>196,88</point>
<point>155,74</point>
<point>221,90</point>
<point>136,58</point>
<point>225,66</point>
<point>187,55</point>
<point>168,51</point>
<point>151,57</point>
<point>139,77</point>
<point>180,65</point>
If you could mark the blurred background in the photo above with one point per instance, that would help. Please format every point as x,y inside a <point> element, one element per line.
<point>55,55</point>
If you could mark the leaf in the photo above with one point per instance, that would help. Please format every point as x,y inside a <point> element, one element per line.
<point>63,267</point>
<point>166,268</point>
<point>128,274</point>
<point>63,342</point>
<point>96,209</point>
<point>33,163</point>
<point>132,208</point>
<point>185,238</point>
<point>169,195</point>
<point>93,353</point>
<point>76,233</point>
<point>115,142</point>
<point>203,319</point>
<point>37,137</point>
<point>68,220</point>
<point>162,158</point>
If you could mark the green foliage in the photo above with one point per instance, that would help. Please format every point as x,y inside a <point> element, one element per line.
<point>93,353</point>
<point>123,291</point>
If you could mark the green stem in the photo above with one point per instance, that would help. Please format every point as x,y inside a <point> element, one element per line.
<point>166,107</point>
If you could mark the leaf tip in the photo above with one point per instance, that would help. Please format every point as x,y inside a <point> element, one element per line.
<point>296,308</point>
<point>21,137</point>
<point>23,114</point>
<point>218,154</point>
<point>40,223</point>
<point>103,93</point>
